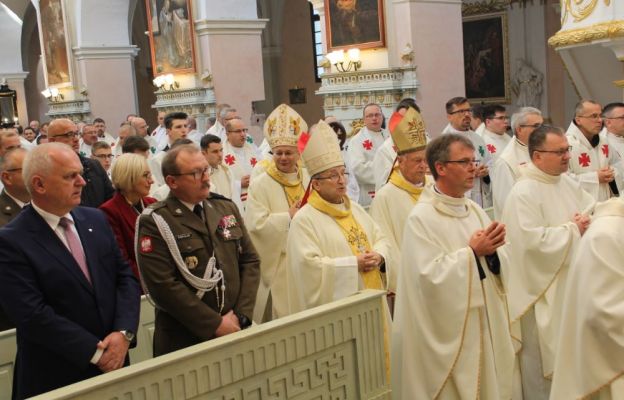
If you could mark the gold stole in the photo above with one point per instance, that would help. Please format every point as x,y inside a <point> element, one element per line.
<point>353,233</point>
<point>294,190</point>
<point>397,179</point>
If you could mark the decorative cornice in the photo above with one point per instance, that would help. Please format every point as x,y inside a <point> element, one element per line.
<point>484,7</point>
<point>604,30</point>
<point>372,79</point>
<point>105,52</point>
<point>13,75</point>
<point>76,110</point>
<point>230,26</point>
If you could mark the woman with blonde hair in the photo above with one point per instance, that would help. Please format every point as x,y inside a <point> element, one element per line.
<point>132,180</point>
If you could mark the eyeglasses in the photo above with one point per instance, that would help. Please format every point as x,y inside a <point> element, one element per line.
<point>373,115</point>
<point>560,153</point>
<point>465,162</point>
<point>244,130</point>
<point>104,156</point>
<point>68,135</point>
<point>620,117</point>
<point>462,111</point>
<point>501,117</point>
<point>197,174</point>
<point>534,126</point>
<point>335,177</point>
<point>147,175</point>
<point>591,116</point>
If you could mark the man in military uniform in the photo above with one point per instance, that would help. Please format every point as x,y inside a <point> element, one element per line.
<point>14,195</point>
<point>204,278</point>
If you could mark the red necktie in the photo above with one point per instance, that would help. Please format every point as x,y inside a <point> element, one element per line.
<point>74,246</point>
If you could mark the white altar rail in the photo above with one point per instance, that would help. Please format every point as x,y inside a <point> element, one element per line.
<point>335,351</point>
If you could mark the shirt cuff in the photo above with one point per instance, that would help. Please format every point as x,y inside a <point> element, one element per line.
<point>349,261</point>
<point>96,357</point>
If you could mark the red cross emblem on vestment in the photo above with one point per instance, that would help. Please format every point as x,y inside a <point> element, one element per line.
<point>491,148</point>
<point>230,159</point>
<point>253,161</point>
<point>605,150</point>
<point>584,160</point>
<point>367,144</point>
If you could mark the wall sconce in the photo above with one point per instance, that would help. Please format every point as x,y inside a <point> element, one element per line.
<point>53,95</point>
<point>166,82</point>
<point>337,59</point>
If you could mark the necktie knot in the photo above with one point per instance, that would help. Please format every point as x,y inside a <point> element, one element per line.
<point>199,211</point>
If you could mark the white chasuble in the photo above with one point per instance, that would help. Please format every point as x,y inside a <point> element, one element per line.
<point>322,265</point>
<point>451,335</point>
<point>541,239</point>
<point>267,220</point>
<point>590,353</point>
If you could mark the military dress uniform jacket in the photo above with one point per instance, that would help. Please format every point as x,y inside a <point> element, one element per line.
<point>182,318</point>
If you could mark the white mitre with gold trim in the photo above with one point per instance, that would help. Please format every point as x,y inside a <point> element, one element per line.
<point>283,127</point>
<point>322,151</point>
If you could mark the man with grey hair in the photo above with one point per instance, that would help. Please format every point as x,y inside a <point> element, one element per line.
<point>613,116</point>
<point>592,163</point>
<point>505,172</point>
<point>193,133</point>
<point>225,113</point>
<point>73,298</point>
<point>451,337</point>
<point>125,131</point>
<point>142,130</point>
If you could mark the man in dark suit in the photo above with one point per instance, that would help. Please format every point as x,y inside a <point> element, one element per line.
<point>63,281</point>
<point>215,247</point>
<point>98,187</point>
<point>13,197</point>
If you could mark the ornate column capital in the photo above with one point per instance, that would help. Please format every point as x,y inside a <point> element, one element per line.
<point>105,52</point>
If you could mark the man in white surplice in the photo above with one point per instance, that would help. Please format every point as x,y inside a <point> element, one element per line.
<point>590,355</point>
<point>495,133</point>
<point>451,335</point>
<point>458,113</point>
<point>598,169</point>
<point>545,214</point>
<point>362,150</point>
<point>506,170</point>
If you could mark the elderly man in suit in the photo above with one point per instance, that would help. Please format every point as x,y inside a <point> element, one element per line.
<point>63,281</point>
<point>12,199</point>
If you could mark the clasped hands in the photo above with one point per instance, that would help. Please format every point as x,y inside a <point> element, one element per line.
<point>368,261</point>
<point>484,242</point>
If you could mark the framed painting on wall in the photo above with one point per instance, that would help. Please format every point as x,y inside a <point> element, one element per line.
<point>172,42</point>
<point>486,58</point>
<point>354,23</point>
<point>54,40</point>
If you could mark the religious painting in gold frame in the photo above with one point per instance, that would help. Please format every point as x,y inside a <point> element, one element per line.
<point>171,36</point>
<point>54,39</point>
<point>354,23</point>
<point>486,58</point>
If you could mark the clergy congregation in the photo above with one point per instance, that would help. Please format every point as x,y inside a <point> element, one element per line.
<point>481,202</point>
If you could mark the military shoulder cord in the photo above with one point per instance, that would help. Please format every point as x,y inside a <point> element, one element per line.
<point>212,275</point>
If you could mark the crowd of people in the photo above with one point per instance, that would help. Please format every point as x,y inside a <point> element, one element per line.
<point>496,242</point>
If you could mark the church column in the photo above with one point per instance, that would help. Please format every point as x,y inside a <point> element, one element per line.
<point>230,50</point>
<point>11,60</point>
<point>107,79</point>
<point>417,23</point>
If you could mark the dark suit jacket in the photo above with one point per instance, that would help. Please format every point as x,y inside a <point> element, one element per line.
<point>98,188</point>
<point>122,218</point>
<point>60,317</point>
<point>8,210</point>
